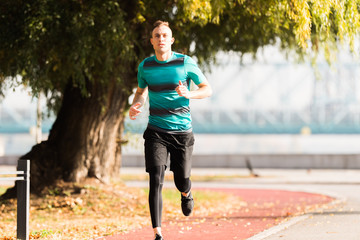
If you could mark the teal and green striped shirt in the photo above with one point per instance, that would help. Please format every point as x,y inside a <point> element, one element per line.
<point>168,111</point>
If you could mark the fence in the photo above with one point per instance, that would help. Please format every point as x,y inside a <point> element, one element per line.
<point>23,197</point>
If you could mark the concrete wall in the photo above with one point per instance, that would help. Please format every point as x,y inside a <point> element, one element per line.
<point>319,161</point>
<point>301,161</point>
<point>9,160</point>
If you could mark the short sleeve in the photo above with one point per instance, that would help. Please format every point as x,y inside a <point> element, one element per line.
<point>193,71</point>
<point>141,81</point>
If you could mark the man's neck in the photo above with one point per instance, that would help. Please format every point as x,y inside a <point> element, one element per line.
<point>163,56</point>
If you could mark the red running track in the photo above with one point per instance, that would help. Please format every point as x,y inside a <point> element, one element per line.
<point>264,209</point>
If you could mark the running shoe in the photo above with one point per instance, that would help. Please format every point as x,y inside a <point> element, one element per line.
<point>158,237</point>
<point>187,204</point>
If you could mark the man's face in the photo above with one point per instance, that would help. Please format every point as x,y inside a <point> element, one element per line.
<point>162,39</point>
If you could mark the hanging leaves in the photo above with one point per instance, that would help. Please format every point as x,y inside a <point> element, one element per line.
<point>50,42</point>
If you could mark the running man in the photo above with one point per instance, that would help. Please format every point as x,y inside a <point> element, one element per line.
<point>165,78</point>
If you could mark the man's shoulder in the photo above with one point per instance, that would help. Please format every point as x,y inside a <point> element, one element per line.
<point>147,61</point>
<point>181,56</point>
<point>186,58</point>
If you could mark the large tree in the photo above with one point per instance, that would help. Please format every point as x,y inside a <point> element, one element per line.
<point>83,54</point>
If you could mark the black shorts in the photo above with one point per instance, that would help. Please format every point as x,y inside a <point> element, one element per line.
<point>159,145</point>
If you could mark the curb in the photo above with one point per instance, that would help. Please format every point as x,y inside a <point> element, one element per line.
<point>286,224</point>
<point>292,221</point>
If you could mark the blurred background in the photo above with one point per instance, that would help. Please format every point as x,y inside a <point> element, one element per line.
<point>270,112</point>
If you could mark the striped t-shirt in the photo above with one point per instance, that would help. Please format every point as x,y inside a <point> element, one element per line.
<point>168,111</point>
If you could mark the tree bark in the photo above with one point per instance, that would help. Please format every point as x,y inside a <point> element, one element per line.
<point>85,139</point>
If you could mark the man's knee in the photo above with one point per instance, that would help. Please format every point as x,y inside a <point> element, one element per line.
<point>182,184</point>
<point>156,175</point>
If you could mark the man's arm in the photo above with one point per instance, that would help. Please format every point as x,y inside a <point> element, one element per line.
<point>138,102</point>
<point>203,91</point>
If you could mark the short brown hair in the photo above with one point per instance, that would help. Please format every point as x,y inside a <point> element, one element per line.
<point>160,23</point>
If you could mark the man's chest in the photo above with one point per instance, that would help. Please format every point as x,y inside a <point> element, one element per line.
<point>164,75</point>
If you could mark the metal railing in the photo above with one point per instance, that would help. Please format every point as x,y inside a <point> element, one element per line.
<point>23,196</point>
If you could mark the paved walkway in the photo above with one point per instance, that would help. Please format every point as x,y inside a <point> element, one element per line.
<point>272,198</point>
<point>264,209</point>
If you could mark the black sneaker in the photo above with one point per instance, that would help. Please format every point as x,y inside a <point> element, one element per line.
<point>158,237</point>
<point>187,204</point>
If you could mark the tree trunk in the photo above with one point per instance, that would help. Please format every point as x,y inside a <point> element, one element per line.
<point>85,139</point>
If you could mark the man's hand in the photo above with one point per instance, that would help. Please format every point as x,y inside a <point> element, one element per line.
<point>134,111</point>
<point>182,90</point>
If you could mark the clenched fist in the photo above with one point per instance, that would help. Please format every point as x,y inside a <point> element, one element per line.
<point>134,111</point>
<point>182,90</point>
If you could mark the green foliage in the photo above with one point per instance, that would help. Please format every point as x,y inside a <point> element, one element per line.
<point>51,42</point>
<point>42,233</point>
<point>2,190</point>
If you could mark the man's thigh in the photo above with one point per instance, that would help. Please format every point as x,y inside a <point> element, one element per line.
<point>156,152</point>
<point>181,156</point>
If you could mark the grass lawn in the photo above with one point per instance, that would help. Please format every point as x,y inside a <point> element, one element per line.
<point>92,209</point>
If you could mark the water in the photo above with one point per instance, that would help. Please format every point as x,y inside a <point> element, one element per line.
<point>264,144</point>
<point>19,144</point>
<point>16,144</point>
